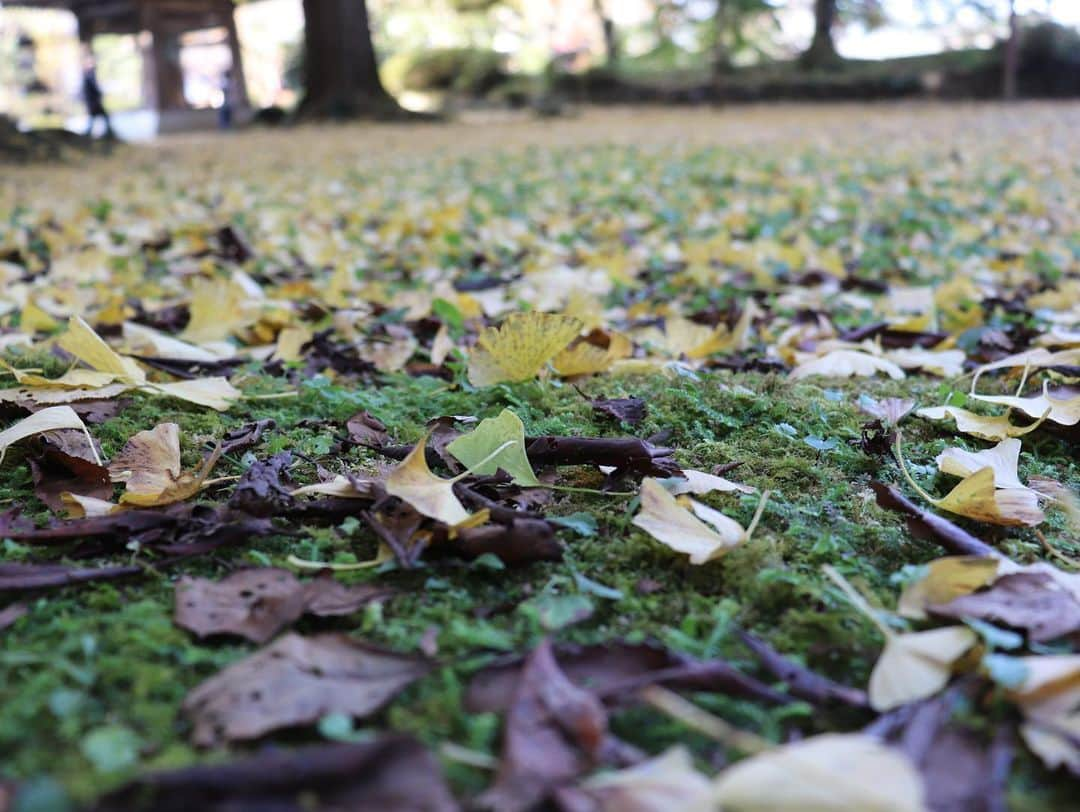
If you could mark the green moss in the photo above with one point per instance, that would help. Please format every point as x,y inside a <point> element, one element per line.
<point>108,656</point>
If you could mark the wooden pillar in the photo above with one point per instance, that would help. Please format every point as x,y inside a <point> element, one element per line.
<point>163,73</point>
<point>229,14</point>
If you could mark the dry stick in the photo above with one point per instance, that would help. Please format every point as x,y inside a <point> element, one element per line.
<point>388,538</point>
<point>702,721</point>
<point>953,538</point>
<point>24,578</point>
<point>801,681</point>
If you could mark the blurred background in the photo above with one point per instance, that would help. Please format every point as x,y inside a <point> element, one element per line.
<point>161,64</point>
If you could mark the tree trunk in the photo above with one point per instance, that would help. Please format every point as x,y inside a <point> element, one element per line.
<point>1011,65</point>
<point>822,50</point>
<point>721,62</point>
<point>611,43</point>
<point>341,73</point>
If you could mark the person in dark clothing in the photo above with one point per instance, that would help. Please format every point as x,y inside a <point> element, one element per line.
<point>228,100</point>
<point>95,101</point>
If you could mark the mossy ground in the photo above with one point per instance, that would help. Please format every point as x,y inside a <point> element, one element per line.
<point>92,678</point>
<point>108,656</point>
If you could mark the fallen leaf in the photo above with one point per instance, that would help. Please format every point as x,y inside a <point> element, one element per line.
<point>1064,411</point>
<point>847,364</point>
<point>1030,601</point>
<point>479,450</point>
<point>258,603</point>
<point>1004,458</point>
<point>663,518</point>
<point>977,498</point>
<point>662,784</point>
<point>142,340</point>
<point>889,410</point>
<point>366,429</point>
<point>828,773</point>
<point>149,467</point>
<point>946,579</point>
<point>627,410</point>
<point>1048,694</point>
<point>51,419</point>
<point>994,428</point>
<point>295,681</point>
<point>946,363</point>
<point>553,732</point>
<point>916,665</point>
<point>86,345</point>
<point>700,483</point>
<point>520,347</point>
<point>913,665</point>
<point>214,393</point>
<point>432,496</point>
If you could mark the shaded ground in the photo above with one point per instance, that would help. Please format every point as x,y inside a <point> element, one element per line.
<point>693,211</point>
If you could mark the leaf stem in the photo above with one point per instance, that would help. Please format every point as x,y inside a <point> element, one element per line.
<point>907,476</point>
<point>857,600</point>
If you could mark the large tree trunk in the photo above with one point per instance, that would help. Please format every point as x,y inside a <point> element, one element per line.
<point>822,50</point>
<point>721,59</point>
<point>1011,66</point>
<point>607,25</point>
<point>341,73</point>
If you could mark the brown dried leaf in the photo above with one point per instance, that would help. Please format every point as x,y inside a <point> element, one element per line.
<point>258,603</point>
<point>295,681</point>
<point>1030,601</point>
<point>554,730</point>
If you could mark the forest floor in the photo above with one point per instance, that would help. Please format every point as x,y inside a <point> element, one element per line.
<point>759,290</point>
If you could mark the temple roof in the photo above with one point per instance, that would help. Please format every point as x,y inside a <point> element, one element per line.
<point>129,16</point>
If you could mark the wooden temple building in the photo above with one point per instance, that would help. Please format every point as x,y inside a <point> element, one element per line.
<point>159,26</point>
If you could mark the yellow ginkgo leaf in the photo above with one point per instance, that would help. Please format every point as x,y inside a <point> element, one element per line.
<point>389,354</point>
<point>149,467</point>
<point>916,665</point>
<point>342,486</point>
<point>1049,697</point>
<point>944,580</point>
<point>1062,410</point>
<point>219,308</point>
<point>214,393</point>
<point>289,342</point>
<point>670,781</point>
<point>993,428</point>
<point>912,666</point>
<point>700,483</point>
<point>51,419</point>
<point>1003,459</point>
<point>593,353</point>
<point>86,345</point>
<point>412,481</point>
<point>33,319</point>
<point>946,363</point>
<point>142,340</point>
<point>847,364</point>
<point>977,498</point>
<point>87,507</point>
<point>520,347</point>
<point>72,379</point>
<point>663,518</point>
<point>834,772</point>
<point>441,345</point>
<point>1031,359</point>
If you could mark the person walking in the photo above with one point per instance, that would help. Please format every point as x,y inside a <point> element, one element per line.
<point>95,100</point>
<point>228,100</point>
